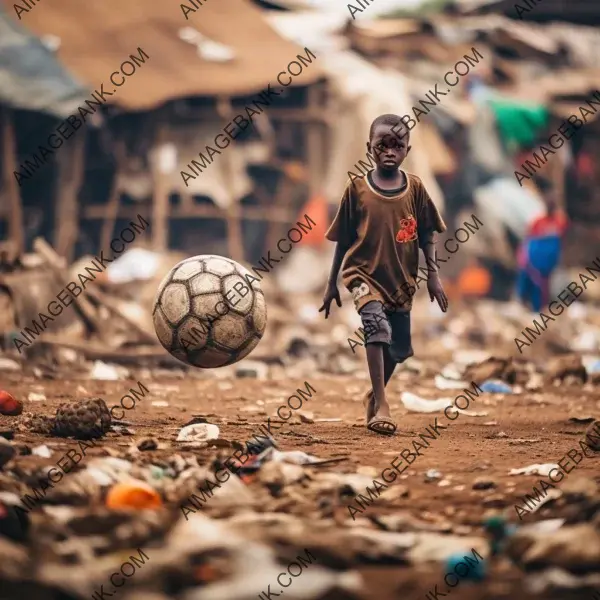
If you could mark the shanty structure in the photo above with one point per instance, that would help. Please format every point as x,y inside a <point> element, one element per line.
<point>201,72</point>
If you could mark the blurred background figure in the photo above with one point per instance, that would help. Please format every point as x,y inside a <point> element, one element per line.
<point>540,253</point>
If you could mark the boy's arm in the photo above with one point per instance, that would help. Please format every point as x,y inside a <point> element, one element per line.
<point>434,285</point>
<point>338,258</point>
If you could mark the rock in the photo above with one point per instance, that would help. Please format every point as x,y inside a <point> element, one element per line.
<point>147,444</point>
<point>7,451</point>
<point>35,397</point>
<point>9,405</point>
<point>561,367</point>
<point>562,548</point>
<point>592,436</point>
<point>483,484</point>
<point>492,368</point>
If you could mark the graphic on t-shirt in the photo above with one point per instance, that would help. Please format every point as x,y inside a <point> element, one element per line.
<point>408,230</point>
<point>359,291</point>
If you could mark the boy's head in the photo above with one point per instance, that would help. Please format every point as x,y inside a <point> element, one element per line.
<point>389,142</point>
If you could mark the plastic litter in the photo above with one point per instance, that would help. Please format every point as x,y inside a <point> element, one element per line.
<point>537,469</point>
<point>198,432</point>
<point>9,405</point>
<point>495,386</point>
<point>132,494</point>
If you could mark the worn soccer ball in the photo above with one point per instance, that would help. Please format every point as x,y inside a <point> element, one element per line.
<point>209,311</point>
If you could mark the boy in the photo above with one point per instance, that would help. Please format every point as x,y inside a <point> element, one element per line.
<point>382,221</point>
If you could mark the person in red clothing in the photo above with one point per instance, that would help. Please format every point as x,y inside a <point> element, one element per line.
<point>539,255</point>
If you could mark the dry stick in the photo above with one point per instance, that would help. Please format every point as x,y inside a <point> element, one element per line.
<point>115,309</point>
<point>82,304</point>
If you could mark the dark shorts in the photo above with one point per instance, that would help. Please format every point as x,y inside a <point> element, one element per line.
<point>392,329</point>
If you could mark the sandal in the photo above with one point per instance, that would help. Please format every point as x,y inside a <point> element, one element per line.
<point>383,425</point>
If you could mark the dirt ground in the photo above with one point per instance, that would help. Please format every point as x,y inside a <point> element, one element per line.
<point>519,430</point>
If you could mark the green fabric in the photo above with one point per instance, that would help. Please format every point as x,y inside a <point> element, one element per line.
<point>518,123</point>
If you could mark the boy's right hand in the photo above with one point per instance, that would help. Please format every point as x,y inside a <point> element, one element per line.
<point>331,294</point>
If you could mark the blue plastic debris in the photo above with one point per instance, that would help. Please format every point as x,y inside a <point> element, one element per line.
<point>494,386</point>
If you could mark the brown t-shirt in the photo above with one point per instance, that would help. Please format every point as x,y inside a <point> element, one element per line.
<point>384,234</point>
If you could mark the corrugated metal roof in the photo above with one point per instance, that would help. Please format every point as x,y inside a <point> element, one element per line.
<point>30,76</point>
<point>96,37</point>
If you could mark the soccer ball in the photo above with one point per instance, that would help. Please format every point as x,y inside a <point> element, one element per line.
<point>209,311</point>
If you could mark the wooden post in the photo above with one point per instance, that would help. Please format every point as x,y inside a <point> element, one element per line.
<point>235,240</point>
<point>112,206</point>
<point>160,207</point>
<point>71,170</point>
<point>314,142</point>
<point>15,220</point>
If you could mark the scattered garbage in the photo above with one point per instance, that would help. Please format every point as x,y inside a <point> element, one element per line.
<point>542,470</point>
<point>415,403</point>
<point>132,494</point>
<point>9,405</point>
<point>493,386</point>
<point>198,432</point>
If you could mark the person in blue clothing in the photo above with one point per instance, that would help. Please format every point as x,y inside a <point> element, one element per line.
<point>539,255</point>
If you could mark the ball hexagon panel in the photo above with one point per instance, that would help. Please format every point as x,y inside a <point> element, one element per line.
<point>164,331</point>
<point>205,283</point>
<point>187,269</point>
<point>205,306</point>
<point>192,334</point>
<point>247,349</point>
<point>217,265</point>
<point>175,302</point>
<point>231,331</point>
<point>239,298</point>
<point>209,358</point>
<point>260,313</point>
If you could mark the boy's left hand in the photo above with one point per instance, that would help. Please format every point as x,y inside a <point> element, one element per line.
<point>435,289</point>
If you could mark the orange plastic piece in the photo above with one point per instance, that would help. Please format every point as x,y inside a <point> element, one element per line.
<point>474,281</point>
<point>316,209</point>
<point>133,494</point>
<point>9,405</point>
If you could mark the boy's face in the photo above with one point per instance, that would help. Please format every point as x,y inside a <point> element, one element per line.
<point>389,146</point>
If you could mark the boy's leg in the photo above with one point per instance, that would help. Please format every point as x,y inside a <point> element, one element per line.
<point>378,336</point>
<point>375,352</point>
<point>389,365</point>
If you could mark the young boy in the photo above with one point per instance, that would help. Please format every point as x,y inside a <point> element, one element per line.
<point>382,221</point>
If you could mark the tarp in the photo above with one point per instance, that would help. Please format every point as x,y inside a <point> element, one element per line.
<point>30,76</point>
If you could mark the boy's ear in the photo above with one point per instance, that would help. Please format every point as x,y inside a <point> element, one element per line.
<point>368,146</point>
<point>408,149</point>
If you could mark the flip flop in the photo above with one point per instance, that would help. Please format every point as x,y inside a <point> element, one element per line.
<point>383,425</point>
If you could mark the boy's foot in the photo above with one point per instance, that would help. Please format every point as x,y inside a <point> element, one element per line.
<point>369,405</point>
<point>383,425</point>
